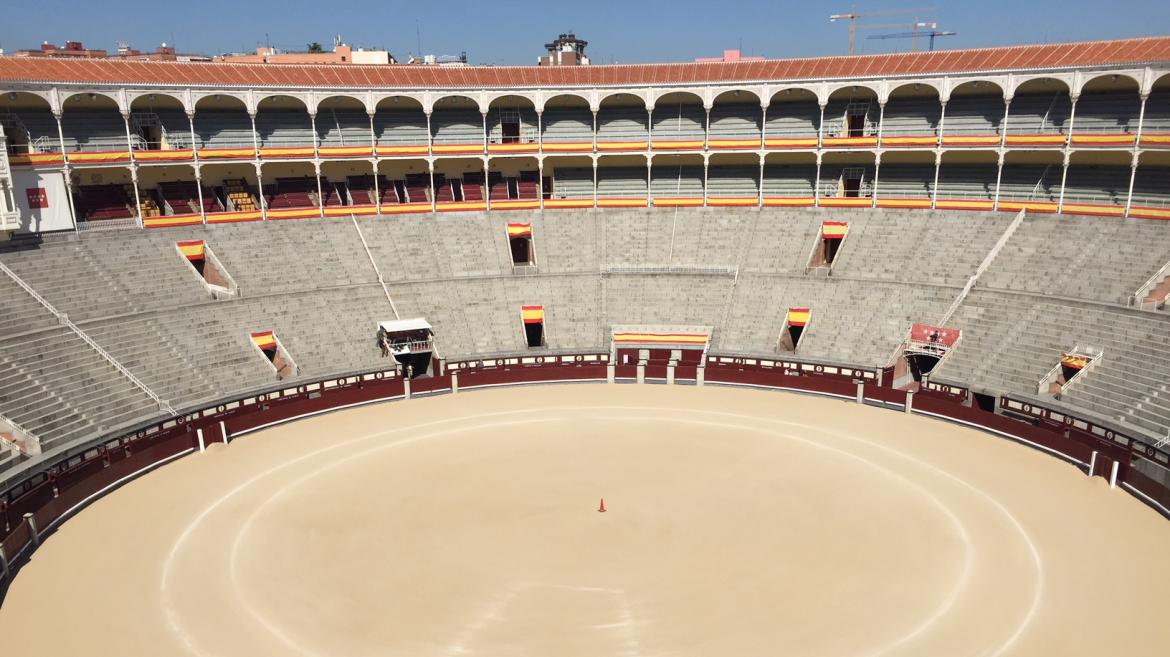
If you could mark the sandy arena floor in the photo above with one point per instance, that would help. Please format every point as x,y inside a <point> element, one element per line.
<point>739,523</point>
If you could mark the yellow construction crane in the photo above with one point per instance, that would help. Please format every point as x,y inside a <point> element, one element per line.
<point>852,17</point>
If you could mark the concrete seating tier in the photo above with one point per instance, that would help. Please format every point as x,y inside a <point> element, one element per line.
<point>312,282</point>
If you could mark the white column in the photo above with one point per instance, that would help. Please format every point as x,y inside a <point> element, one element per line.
<point>1003,131</point>
<point>129,143</point>
<point>255,137</point>
<point>137,196</point>
<point>706,164</point>
<point>320,189</point>
<point>1137,141</point>
<point>942,122</point>
<point>763,126</point>
<point>594,131</point>
<point>377,191</point>
<point>817,184</point>
<point>194,147</point>
<point>540,132</point>
<point>313,127</point>
<point>881,122</point>
<point>877,168</point>
<point>260,192</point>
<point>937,170</point>
<point>998,179</point>
<point>485,132</point>
<point>199,193</point>
<point>431,172</point>
<point>821,129</point>
<point>760,190</point>
<point>430,136</point>
<point>595,181</point>
<point>487,185</point>
<point>1067,153</point>
<point>1063,179</point>
<point>60,132</point>
<point>540,180</point>
<point>373,137</point>
<point>649,177</point>
<point>707,130</point>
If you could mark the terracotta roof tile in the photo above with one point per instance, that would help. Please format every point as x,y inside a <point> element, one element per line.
<point>1066,55</point>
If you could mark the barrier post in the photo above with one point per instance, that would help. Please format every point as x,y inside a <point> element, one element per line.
<point>641,371</point>
<point>33,532</point>
<point>909,401</point>
<point>454,382</point>
<point>699,375</point>
<point>860,390</point>
<point>1113,474</point>
<point>609,373</point>
<point>199,434</point>
<point>670,374</point>
<point>406,387</point>
<point>1093,463</point>
<point>4,571</point>
<point>223,432</point>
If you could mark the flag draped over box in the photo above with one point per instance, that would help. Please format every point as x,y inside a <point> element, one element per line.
<point>192,250</point>
<point>264,340</point>
<point>798,316</point>
<point>834,229</point>
<point>661,338</point>
<point>519,230</point>
<point>532,314</point>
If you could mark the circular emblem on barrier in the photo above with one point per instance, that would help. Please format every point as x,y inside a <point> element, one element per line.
<point>737,361</point>
<point>221,408</point>
<point>818,368</point>
<point>140,434</point>
<point>262,397</point>
<point>1150,451</point>
<point>1109,434</point>
<point>342,381</point>
<point>378,376</point>
<point>1068,420</point>
<point>540,360</point>
<point>1027,408</point>
<point>579,359</point>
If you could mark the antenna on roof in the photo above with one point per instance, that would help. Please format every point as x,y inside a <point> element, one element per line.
<point>417,37</point>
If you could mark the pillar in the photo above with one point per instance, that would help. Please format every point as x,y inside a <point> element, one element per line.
<point>320,188</point>
<point>377,191</point>
<point>260,192</point>
<point>199,192</point>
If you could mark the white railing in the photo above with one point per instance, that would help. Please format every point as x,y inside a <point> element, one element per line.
<point>1142,292</point>
<point>987,260</point>
<point>381,281</point>
<point>64,319</point>
<point>670,269</point>
<point>414,347</point>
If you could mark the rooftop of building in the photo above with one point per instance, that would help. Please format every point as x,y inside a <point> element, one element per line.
<point>1036,57</point>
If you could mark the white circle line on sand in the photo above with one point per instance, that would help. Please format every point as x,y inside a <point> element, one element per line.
<point>189,643</point>
<point>299,646</point>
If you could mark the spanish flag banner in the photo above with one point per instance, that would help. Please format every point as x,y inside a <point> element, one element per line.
<point>798,316</point>
<point>532,314</point>
<point>519,230</point>
<point>192,250</point>
<point>264,340</point>
<point>1071,365</point>
<point>834,229</point>
<point>661,338</point>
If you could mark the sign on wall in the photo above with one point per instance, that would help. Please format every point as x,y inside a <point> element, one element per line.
<point>38,198</point>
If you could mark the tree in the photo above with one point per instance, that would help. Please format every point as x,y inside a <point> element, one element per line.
<point>315,47</point>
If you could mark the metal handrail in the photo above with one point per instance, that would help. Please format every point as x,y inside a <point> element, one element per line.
<point>64,319</point>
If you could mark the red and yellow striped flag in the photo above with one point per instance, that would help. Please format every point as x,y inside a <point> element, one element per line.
<point>661,338</point>
<point>192,250</point>
<point>519,230</point>
<point>1073,361</point>
<point>532,314</point>
<point>798,316</point>
<point>264,340</point>
<point>834,229</point>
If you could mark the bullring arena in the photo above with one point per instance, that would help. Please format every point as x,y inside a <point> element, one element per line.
<point>841,356</point>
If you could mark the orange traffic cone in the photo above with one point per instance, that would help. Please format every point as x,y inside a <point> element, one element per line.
<point>601,509</point>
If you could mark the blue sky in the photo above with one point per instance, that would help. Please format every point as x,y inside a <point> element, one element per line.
<point>513,32</point>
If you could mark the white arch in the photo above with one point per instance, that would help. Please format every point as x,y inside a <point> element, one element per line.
<point>320,98</point>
